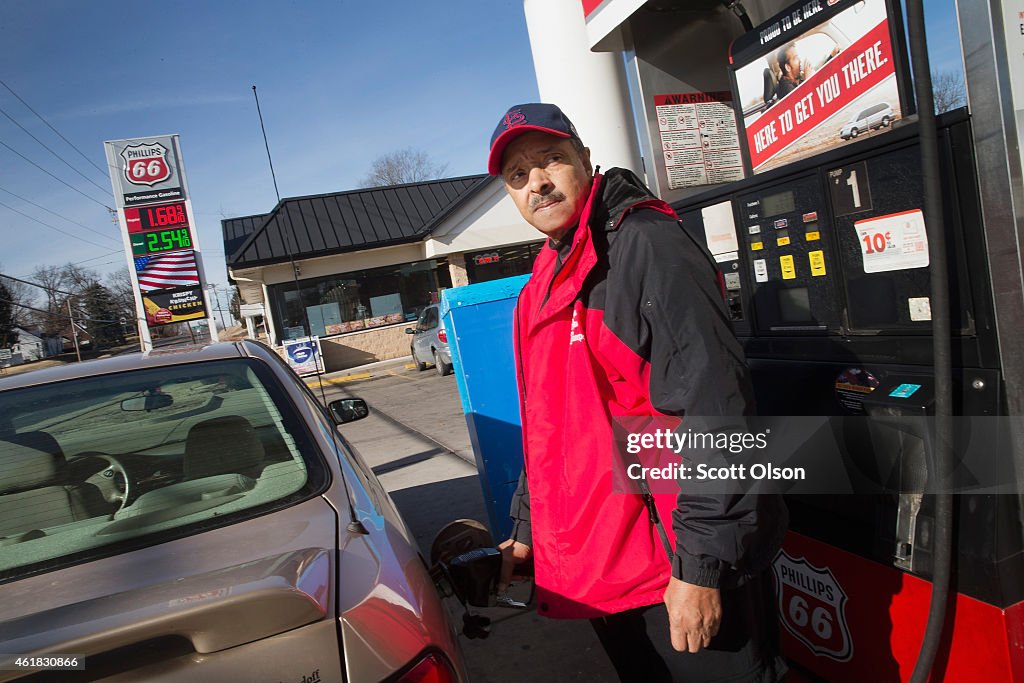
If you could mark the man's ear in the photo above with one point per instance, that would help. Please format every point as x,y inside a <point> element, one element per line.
<point>586,161</point>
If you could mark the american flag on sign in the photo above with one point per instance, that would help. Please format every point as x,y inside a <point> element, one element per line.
<point>163,271</point>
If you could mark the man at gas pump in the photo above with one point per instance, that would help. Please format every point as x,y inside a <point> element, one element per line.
<point>623,315</point>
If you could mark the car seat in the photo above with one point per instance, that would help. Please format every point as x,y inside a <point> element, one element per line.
<point>32,492</point>
<point>770,86</point>
<point>223,445</point>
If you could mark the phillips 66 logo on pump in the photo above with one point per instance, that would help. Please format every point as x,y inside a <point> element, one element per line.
<point>812,606</point>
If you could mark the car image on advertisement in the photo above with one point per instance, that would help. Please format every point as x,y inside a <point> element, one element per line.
<point>876,116</point>
<point>430,341</point>
<point>196,515</point>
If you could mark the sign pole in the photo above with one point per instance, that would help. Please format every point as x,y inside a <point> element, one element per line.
<point>159,233</point>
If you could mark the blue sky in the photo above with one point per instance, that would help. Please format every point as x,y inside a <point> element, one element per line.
<point>341,82</point>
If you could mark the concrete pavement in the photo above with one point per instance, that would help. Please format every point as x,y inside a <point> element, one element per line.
<point>416,441</point>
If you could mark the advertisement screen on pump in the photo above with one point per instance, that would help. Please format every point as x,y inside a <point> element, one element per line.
<point>816,77</point>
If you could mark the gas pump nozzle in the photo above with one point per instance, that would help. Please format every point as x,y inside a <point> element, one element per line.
<point>471,575</point>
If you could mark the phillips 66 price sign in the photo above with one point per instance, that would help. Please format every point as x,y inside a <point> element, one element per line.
<point>159,232</point>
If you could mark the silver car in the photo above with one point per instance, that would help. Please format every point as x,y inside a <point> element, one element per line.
<point>876,116</point>
<point>430,341</point>
<point>196,516</point>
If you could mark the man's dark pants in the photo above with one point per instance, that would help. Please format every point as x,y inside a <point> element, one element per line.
<point>745,649</point>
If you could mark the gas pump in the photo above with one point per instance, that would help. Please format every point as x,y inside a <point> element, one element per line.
<point>788,139</point>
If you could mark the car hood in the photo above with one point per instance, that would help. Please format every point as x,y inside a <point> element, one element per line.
<point>218,589</point>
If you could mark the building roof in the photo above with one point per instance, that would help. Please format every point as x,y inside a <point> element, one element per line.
<point>321,225</point>
<point>236,230</point>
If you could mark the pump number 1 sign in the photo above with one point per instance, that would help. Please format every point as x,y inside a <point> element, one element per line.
<point>894,242</point>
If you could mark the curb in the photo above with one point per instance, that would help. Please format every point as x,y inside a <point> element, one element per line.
<point>356,376</point>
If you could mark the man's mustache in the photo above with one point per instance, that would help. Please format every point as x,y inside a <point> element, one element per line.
<point>552,197</point>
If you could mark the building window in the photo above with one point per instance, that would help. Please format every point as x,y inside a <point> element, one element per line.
<point>358,300</point>
<point>492,264</point>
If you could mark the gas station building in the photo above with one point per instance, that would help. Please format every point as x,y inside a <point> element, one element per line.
<point>362,264</point>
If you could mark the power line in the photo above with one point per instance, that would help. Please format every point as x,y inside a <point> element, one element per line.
<point>40,117</point>
<point>49,314</point>
<point>109,253</point>
<point>65,161</point>
<point>38,206</point>
<point>105,263</point>
<point>34,284</point>
<point>53,227</point>
<point>55,177</point>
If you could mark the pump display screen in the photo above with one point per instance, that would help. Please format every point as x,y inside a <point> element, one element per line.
<point>773,205</point>
<point>816,76</point>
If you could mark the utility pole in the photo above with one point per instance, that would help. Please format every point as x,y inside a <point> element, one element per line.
<point>74,330</point>
<point>216,298</point>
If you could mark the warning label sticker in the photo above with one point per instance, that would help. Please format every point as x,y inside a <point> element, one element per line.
<point>700,142</point>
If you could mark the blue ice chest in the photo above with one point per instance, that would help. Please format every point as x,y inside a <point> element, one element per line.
<point>478,319</point>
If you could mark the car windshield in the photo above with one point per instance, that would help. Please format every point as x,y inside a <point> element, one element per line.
<point>92,461</point>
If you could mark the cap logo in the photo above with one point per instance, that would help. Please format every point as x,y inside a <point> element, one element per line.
<point>514,118</point>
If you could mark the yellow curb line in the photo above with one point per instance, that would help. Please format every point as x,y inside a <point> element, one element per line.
<point>361,375</point>
<point>346,378</point>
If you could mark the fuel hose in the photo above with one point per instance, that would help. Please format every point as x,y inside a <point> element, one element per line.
<point>940,456</point>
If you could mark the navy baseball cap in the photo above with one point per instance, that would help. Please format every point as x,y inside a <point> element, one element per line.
<point>523,118</point>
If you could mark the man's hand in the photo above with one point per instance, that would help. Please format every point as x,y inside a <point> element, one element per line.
<point>513,554</point>
<point>694,614</point>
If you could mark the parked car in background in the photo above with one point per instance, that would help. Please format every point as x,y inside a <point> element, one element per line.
<point>196,515</point>
<point>430,341</point>
<point>876,116</point>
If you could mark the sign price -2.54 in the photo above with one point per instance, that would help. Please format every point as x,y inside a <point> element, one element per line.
<point>165,240</point>
<point>158,241</point>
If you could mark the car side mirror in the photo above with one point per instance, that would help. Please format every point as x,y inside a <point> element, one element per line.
<point>147,403</point>
<point>409,330</point>
<point>348,410</point>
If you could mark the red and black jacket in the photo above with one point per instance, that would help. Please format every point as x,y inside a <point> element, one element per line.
<point>626,318</point>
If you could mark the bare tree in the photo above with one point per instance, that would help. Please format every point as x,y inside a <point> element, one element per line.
<point>77,278</point>
<point>22,297</point>
<point>57,285</point>
<point>949,90</point>
<point>52,280</point>
<point>120,285</point>
<point>8,324</point>
<point>404,166</point>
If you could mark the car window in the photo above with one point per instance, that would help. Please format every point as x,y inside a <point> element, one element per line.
<point>816,49</point>
<point>91,464</point>
<point>429,319</point>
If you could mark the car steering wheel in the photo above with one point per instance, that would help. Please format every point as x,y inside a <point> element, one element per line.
<point>112,481</point>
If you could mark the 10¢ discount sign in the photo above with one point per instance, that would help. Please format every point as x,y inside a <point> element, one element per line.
<point>894,242</point>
